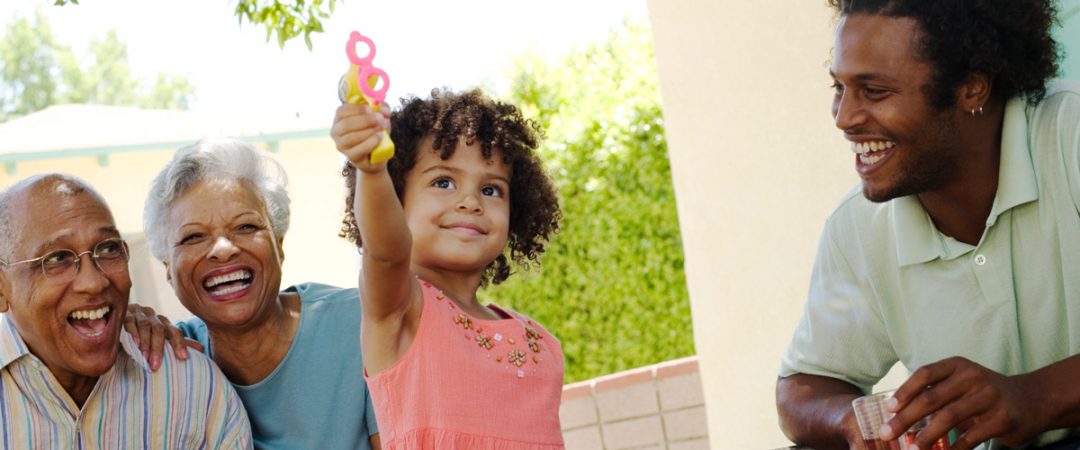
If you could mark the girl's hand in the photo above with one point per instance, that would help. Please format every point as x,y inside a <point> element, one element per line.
<point>357,131</point>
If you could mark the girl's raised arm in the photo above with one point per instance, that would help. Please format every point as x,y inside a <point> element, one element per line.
<point>388,291</point>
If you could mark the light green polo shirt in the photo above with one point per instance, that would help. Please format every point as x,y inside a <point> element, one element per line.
<point>887,286</point>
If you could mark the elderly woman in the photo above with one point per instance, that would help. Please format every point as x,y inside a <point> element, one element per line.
<point>216,216</point>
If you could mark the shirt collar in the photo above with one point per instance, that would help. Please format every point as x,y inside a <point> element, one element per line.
<point>918,241</point>
<point>1017,184</point>
<point>12,346</point>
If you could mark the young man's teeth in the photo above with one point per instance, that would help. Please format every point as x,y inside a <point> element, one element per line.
<point>863,148</point>
<point>90,315</point>
<point>869,159</point>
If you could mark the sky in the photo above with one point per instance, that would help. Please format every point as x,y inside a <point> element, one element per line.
<point>421,44</point>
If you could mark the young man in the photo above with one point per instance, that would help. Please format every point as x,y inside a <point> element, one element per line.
<point>959,258</point>
<point>69,376</point>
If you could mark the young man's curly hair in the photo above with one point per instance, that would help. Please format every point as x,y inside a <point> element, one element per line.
<point>448,117</point>
<point>1009,40</point>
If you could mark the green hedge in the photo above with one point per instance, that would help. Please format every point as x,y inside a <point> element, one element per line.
<point>611,286</point>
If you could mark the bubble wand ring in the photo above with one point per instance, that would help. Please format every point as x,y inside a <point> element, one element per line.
<point>357,86</point>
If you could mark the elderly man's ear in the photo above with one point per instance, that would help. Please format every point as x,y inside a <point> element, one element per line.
<point>5,292</point>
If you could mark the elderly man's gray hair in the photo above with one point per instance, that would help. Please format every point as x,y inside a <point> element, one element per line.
<point>62,184</point>
<point>215,159</point>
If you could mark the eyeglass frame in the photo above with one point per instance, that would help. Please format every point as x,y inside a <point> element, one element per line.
<point>78,259</point>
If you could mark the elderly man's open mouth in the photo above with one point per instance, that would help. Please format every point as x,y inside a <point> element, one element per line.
<point>91,323</point>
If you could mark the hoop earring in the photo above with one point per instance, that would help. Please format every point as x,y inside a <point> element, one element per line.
<point>976,111</point>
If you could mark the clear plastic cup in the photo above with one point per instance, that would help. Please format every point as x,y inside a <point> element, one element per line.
<point>871,414</point>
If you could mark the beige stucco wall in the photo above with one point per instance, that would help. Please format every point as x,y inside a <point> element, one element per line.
<point>317,200</point>
<point>757,166</point>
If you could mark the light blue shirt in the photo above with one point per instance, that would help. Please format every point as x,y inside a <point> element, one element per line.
<point>317,396</point>
<point>887,286</point>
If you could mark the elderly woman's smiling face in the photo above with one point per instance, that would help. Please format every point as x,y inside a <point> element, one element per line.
<point>224,261</point>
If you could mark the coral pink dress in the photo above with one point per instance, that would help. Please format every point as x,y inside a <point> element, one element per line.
<point>468,383</point>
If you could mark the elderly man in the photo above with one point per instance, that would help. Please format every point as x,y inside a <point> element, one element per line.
<point>70,377</point>
<point>960,256</point>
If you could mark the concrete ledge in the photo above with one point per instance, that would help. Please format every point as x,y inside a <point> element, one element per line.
<point>578,412</point>
<point>659,406</point>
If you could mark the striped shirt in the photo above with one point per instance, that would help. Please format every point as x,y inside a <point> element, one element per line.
<point>184,405</point>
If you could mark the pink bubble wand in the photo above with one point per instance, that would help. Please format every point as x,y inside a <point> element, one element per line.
<point>358,84</point>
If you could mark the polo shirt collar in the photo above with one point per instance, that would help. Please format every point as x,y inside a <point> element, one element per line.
<point>12,346</point>
<point>918,241</point>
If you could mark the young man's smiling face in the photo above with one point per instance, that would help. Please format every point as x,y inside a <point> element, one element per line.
<point>902,144</point>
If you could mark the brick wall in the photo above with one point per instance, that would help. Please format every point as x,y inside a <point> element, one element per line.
<point>653,407</point>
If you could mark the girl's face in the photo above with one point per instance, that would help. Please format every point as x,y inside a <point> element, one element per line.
<point>224,262</point>
<point>458,210</point>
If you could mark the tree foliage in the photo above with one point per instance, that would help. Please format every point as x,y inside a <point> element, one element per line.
<point>30,58</point>
<point>283,19</point>
<point>37,71</point>
<point>286,19</point>
<point>612,286</point>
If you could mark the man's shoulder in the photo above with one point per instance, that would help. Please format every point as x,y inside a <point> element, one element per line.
<point>1062,100</point>
<point>1061,87</point>
<point>1053,136</point>
<point>855,210</point>
<point>198,368</point>
<point>862,229</point>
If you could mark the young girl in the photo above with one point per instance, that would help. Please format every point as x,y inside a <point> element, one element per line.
<point>464,192</point>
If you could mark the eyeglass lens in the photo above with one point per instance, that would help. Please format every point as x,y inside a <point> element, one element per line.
<point>109,255</point>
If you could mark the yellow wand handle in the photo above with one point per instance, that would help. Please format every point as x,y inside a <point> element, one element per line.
<point>349,92</point>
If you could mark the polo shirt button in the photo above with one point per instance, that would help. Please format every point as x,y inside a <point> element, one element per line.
<point>980,259</point>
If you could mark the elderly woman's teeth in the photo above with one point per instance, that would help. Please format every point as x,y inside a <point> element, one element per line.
<point>231,276</point>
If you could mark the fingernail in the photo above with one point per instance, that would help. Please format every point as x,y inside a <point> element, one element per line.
<point>891,403</point>
<point>885,432</point>
<point>183,353</point>
<point>913,447</point>
<point>157,361</point>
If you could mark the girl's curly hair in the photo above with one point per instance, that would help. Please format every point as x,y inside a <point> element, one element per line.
<point>1008,40</point>
<point>447,117</point>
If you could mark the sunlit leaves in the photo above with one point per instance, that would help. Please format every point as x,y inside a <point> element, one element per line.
<point>285,20</point>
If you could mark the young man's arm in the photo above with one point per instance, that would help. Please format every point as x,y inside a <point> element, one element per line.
<point>815,411</point>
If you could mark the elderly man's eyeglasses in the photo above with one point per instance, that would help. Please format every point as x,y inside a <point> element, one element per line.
<point>110,256</point>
